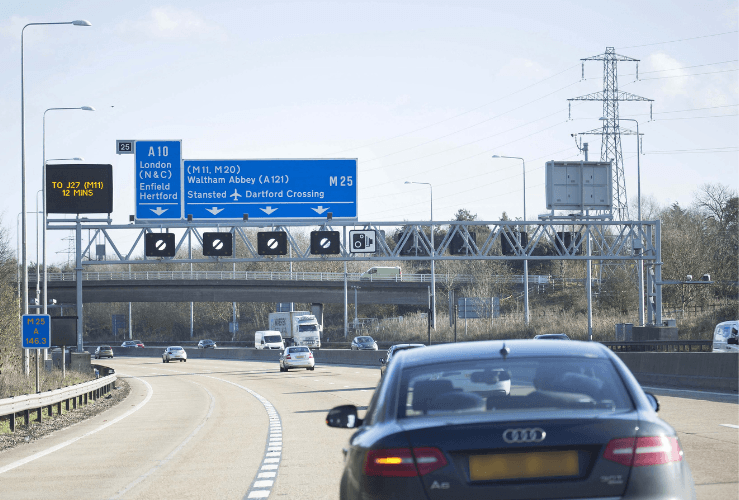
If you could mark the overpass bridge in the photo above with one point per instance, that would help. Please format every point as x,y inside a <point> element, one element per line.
<point>251,286</point>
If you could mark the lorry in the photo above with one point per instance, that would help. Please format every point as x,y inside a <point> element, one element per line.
<point>297,328</point>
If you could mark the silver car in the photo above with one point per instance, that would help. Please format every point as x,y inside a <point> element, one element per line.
<point>364,343</point>
<point>174,353</point>
<point>297,357</point>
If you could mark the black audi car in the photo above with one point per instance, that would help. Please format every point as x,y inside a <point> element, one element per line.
<point>574,424</point>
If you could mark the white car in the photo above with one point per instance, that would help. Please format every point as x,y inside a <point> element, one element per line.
<point>297,357</point>
<point>174,353</point>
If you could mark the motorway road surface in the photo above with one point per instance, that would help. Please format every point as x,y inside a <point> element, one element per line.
<point>241,429</point>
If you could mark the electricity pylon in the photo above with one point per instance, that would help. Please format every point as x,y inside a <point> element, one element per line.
<point>610,132</point>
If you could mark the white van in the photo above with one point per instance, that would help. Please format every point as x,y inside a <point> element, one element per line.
<point>725,337</point>
<point>268,339</point>
<point>382,273</point>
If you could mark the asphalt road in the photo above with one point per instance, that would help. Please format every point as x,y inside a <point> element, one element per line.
<point>235,429</point>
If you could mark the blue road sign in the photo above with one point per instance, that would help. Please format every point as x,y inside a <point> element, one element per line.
<point>271,189</point>
<point>36,331</point>
<point>158,180</point>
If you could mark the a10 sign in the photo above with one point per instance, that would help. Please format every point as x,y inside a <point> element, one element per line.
<point>36,331</point>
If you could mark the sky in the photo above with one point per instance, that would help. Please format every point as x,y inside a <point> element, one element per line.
<point>420,91</point>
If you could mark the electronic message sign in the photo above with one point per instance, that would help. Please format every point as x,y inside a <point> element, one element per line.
<point>79,189</point>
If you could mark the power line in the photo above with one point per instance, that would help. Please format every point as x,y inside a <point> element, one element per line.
<point>470,126</point>
<point>695,117</point>
<point>724,149</point>
<point>462,145</point>
<point>691,74</point>
<point>455,116</point>
<point>680,40</point>
<point>684,67</point>
<point>479,186</point>
<point>488,151</point>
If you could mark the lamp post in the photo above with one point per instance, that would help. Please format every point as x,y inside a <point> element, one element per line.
<point>23,162</point>
<point>433,255</point>
<point>525,228</point>
<point>638,209</point>
<point>43,187</point>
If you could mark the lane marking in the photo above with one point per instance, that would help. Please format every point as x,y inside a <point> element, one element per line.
<point>169,457</point>
<point>40,454</point>
<point>272,456</point>
<point>732,426</point>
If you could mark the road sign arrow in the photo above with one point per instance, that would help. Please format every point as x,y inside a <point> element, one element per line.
<point>320,209</point>
<point>269,210</point>
<point>214,210</point>
<point>159,210</point>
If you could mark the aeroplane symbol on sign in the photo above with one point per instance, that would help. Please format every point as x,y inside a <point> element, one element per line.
<point>235,195</point>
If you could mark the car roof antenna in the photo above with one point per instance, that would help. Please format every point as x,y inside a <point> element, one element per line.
<point>504,351</point>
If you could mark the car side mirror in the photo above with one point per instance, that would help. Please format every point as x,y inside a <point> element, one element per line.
<point>653,401</point>
<point>343,417</point>
<point>733,340</point>
<point>382,361</point>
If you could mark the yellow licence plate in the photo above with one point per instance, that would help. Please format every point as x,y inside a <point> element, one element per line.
<point>524,465</point>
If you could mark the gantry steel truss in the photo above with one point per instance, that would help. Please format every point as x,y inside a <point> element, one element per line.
<point>582,239</point>
<point>406,241</point>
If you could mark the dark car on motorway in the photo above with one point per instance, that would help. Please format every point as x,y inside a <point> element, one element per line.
<point>364,343</point>
<point>206,344</point>
<point>391,352</point>
<point>575,424</point>
<point>132,343</point>
<point>103,351</point>
<point>552,336</point>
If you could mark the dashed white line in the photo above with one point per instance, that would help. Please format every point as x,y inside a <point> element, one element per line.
<point>730,425</point>
<point>271,462</point>
<point>43,453</point>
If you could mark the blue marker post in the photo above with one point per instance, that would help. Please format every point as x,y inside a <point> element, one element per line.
<point>36,334</point>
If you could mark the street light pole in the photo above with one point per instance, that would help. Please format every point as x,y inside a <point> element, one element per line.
<point>23,172</point>
<point>525,260</point>
<point>433,255</point>
<point>23,159</point>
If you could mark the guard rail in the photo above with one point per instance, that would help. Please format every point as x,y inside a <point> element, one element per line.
<point>74,394</point>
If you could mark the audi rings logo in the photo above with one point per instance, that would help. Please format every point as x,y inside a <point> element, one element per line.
<point>535,435</point>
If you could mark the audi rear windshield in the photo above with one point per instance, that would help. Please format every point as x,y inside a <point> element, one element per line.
<point>526,384</point>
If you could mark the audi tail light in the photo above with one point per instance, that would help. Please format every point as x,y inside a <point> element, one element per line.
<point>288,357</point>
<point>310,354</point>
<point>641,451</point>
<point>399,462</point>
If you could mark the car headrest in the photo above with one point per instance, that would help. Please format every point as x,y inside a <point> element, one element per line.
<point>425,390</point>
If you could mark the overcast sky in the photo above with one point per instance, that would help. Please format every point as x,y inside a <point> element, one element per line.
<point>423,91</point>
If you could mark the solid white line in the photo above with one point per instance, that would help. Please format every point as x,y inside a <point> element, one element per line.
<point>59,446</point>
<point>173,452</point>
<point>689,390</point>
<point>730,425</point>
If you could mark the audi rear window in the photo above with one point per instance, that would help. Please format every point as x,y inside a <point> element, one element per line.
<point>526,384</point>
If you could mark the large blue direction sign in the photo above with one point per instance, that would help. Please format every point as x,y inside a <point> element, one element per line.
<point>158,180</point>
<point>36,331</point>
<point>270,189</point>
